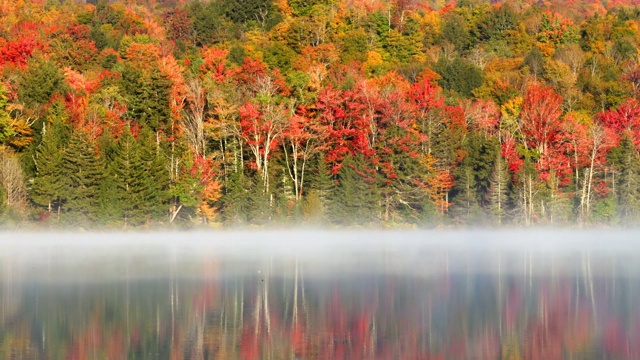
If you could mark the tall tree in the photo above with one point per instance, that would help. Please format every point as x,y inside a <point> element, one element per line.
<point>626,162</point>
<point>48,184</point>
<point>499,190</point>
<point>147,94</point>
<point>83,171</point>
<point>129,172</point>
<point>355,199</point>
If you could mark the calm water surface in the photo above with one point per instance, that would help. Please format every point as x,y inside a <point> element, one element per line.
<point>321,295</point>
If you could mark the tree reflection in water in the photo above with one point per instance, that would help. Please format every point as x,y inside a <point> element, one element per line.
<point>448,305</point>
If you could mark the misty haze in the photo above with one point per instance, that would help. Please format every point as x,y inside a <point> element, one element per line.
<point>321,295</point>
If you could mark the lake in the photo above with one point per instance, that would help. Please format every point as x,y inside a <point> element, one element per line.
<point>321,295</point>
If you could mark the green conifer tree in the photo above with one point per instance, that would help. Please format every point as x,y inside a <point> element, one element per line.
<point>128,172</point>
<point>317,199</point>
<point>627,164</point>
<point>155,179</point>
<point>354,200</point>
<point>47,186</point>
<point>42,80</point>
<point>473,176</point>
<point>148,97</point>
<point>83,172</point>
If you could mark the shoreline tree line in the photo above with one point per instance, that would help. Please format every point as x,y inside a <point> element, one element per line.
<point>259,112</point>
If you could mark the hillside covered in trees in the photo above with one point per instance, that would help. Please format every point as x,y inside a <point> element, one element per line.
<point>337,112</point>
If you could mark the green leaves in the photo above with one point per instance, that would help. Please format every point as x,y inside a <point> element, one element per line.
<point>147,95</point>
<point>83,171</point>
<point>47,188</point>
<point>459,76</point>
<point>140,178</point>
<point>40,82</point>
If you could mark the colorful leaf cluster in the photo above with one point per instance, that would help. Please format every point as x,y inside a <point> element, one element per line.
<point>416,113</point>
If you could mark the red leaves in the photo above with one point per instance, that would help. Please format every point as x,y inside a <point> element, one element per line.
<point>79,32</point>
<point>540,117</point>
<point>342,113</point>
<point>483,116</point>
<point>510,153</point>
<point>426,95</point>
<point>214,63</point>
<point>249,118</point>
<point>625,119</point>
<point>18,52</point>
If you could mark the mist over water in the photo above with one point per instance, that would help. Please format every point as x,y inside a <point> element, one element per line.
<point>545,294</point>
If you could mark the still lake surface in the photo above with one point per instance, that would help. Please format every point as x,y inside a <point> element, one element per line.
<point>321,295</point>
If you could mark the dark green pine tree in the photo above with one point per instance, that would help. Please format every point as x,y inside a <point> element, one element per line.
<point>458,75</point>
<point>261,12</point>
<point>48,186</point>
<point>625,160</point>
<point>233,200</point>
<point>239,199</point>
<point>148,97</point>
<point>465,207</point>
<point>316,202</point>
<point>155,180</point>
<point>138,182</point>
<point>260,203</point>
<point>39,82</point>
<point>473,177</point>
<point>83,172</point>
<point>127,173</point>
<point>109,214</point>
<point>354,199</point>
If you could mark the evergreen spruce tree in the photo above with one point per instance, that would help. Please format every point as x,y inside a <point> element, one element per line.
<point>465,200</point>
<point>259,203</point>
<point>39,82</point>
<point>155,180</point>
<point>354,201</point>
<point>48,185</point>
<point>148,97</point>
<point>235,200</point>
<point>473,177</point>
<point>109,213</point>
<point>317,199</point>
<point>627,164</point>
<point>245,201</point>
<point>128,172</point>
<point>83,172</point>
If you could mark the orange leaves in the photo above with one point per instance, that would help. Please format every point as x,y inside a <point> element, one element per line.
<point>214,62</point>
<point>437,183</point>
<point>143,56</point>
<point>210,195</point>
<point>79,83</point>
<point>77,101</point>
<point>368,6</point>
<point>170,68</point>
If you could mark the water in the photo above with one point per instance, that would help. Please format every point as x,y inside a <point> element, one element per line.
<point>320,295</point>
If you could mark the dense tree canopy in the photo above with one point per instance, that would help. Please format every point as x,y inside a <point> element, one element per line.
<point>338,112</point>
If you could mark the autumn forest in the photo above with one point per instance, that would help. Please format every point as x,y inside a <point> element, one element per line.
<point>335,112</point>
